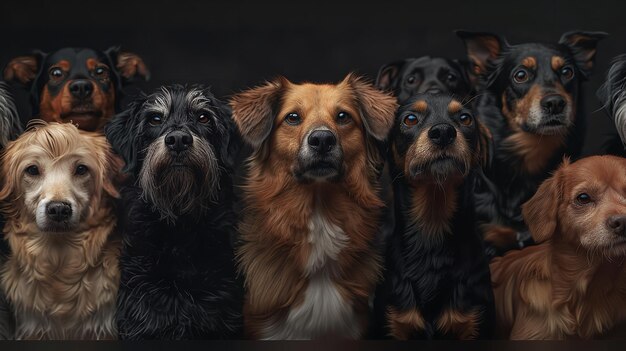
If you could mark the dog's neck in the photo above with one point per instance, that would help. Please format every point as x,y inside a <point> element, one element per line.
<point>534,151</point>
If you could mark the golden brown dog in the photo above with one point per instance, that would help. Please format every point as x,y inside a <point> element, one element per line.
<point>573,284</point>
<point>62,275</point>
<point>313,208</point>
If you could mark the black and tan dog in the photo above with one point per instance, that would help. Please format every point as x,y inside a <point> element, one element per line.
<point>530,100</point>
<point>313,206</point>
<point>437,282</point>
<point>408,77</point>
<point>178,277</point>
<point>80,85</point>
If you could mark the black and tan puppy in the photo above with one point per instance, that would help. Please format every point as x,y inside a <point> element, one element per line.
<point>78,85</point>
<point>437,282</point>
<point>530,100</point>
<point>412,76</point>
<point>178,277</point>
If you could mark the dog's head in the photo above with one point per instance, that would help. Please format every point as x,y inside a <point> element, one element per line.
<point>408,77</point>
<point>584,204</point>
<point>176,142</point>
<point>536,84</point>
<point>55,176</point>
<point>75,84</point>
<point>436,137</point>
<point>315,132</point>
<point>613,95</point>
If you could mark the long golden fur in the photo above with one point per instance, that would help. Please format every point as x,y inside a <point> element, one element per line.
<point>277,256</point>
<point>61,282</point>
<point>572,284</point>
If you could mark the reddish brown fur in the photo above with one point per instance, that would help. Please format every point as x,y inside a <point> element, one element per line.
<point>454,107</point>
<point>23,69</point>
<point>403,324</point>
<point>530,62</point>
<point>557,62</point>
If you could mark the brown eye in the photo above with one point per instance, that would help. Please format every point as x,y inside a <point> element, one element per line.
<point>583,199</point>
<point>155,119</point>
<point>520,76</point>
<point>81,170</point>
<point>451,78</point>
<point>56,73</point>
<point>203,118</point>
<point>343,118</point>
<point>466,119</point>
<point>293,119</point>
<point>101,72</point>
<point>567,72</point>
<point>410,120</point>
<point>32,170</point>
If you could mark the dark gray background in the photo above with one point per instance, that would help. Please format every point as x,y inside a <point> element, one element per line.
<point>232,45</point>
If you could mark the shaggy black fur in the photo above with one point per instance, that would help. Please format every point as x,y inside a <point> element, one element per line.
<point>434,273</point>
<point>178,277</point>
<point>507,186</point>
<point>613,96</point>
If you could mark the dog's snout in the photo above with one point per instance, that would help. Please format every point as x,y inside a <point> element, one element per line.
<point>553,104</point>
<point>322,141</point>
<point>442,134</point>
<point>59,211</point>
<point>81,88</point>
<point>617,224</point>
<point>178,140</point>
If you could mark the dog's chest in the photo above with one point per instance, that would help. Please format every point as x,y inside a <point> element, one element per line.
<point>324,311</point>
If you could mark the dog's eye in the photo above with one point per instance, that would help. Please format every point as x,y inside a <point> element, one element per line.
<point>56,73</point>
<point>101,71</point>
<point>410,79</point>
<point>583,199</point>
<point>81,170</point>
<point>466,119</point>
<point>451,78</point>
<point>520,76</point>
<point>567,72</point>
<point>32,170</point>
<point>343,118</point>
<point>293,119</point>
<point>203,117</point>
<point>410,120</point>
<point>155,120</point>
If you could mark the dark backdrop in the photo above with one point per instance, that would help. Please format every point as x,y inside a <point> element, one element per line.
<point>232,45</point>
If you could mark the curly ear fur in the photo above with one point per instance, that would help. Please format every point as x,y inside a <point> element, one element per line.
<point>541,211</point>
<point>121,133</point>
<point>583,47</point>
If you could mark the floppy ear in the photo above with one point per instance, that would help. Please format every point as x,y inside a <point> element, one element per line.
<point>583,47</point>
<point>254,110</point>
<point>377,108</point>
<point>387,78</point>
<point>485,145</point>
<point>540,212</point>
<point>121,134</point>
<point>127,64</point>
<point>482,49</point>
<point>24,69</point>
<point>108,166</point>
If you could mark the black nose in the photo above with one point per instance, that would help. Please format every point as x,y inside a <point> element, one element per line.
<point>322,141</point>
<point>81,88</point>
<point>553,104</point>
<point>178,140</point>
<point>442,134</point>
<point>58,211</point>
<point>617,224</point>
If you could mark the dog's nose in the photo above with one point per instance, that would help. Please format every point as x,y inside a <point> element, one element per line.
<point>553,104</point>
<point>58,211</point>
<point>322,141</point>
<point>81,88</point>
<point>442,134</point>
<point>617,224</point>
<point>178,140</point>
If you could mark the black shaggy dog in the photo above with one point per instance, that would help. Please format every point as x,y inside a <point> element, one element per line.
<point>613,96</point>
<point>529,98</point>
<point>437,283</point>
<point>178,276</point>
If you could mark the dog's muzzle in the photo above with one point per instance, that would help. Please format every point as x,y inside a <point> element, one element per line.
<point>178,141</point>
<point>442,160</point>
<point>320,157</point>
<point>551,116</point>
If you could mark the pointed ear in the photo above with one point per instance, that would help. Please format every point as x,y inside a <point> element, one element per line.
<point>482,49</point>
<point>254,110</point>
<point>24,69</point>
<point>541,211</point>
<point>583,47</point>
<point>387,78</point>
<point>128,65</point>
<point>121,132</point>
<point>377,108</point>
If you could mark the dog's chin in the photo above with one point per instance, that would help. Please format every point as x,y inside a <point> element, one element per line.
<point>319,171</point>
<point>57,228</point>
<point>556,125</point>
<point>87,118</point>
<point>438,169</point>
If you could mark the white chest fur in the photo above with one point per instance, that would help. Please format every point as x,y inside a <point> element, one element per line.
<point>324,311</point>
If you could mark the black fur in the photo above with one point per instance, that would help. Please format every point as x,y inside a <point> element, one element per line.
<point>613,96</point>
<point>178,277</point>
<point>426,273</point>
<point>506,186</point>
